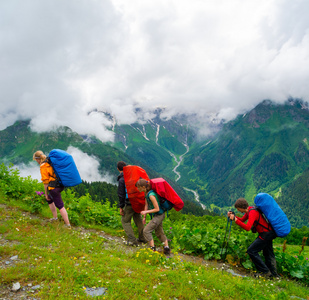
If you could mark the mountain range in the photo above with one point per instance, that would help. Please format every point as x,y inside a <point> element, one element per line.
<point>264,150</point>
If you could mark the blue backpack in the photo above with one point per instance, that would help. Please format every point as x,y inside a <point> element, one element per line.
<point>64,168</point>
<point>274,214</point>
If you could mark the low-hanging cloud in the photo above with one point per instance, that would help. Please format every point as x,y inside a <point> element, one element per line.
<point>88,167</point>
<point>64,62</point>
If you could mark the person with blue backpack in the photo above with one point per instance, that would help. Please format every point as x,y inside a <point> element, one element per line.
<point>52,188</point>
<point>157,213</point>
<point>264,242</point>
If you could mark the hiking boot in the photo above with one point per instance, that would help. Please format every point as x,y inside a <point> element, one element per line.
<point>141,241</point>
<point>153,248</point>
<point>67,226</point>
<point>167,250</point>
<point>53,220</point>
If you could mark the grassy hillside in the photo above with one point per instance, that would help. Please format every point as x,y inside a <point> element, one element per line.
<point>49,261</point>
<point>63,264</point>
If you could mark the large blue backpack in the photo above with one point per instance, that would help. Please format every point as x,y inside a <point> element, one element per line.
<point>64,168</point>
<point>274,214</point>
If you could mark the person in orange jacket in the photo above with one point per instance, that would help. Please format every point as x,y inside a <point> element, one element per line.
<point>51,188</point>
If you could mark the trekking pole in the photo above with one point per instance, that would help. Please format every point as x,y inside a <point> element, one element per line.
<point>227,225</point>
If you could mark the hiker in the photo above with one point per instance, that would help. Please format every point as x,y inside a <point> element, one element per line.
<point>257,223</point>
<point>127,212</point>
<point>52,189</point>
<point>157,214</point>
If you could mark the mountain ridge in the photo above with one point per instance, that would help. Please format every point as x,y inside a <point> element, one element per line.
<point>265,149</point>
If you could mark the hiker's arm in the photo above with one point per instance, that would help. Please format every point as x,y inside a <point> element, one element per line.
<point>243,218</point>
<point>121,193</point>
<point>145,215</point>
<point>155,205</point>
<point>46,191</point>
<point>250,222</point>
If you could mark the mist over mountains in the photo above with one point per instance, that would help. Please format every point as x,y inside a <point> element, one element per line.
<point>264,150</point>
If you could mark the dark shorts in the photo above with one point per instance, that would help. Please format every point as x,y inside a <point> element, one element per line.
<point>55,196</point>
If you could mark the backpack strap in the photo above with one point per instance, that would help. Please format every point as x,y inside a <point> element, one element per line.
<point>257,222</point>
<point>57,182</point>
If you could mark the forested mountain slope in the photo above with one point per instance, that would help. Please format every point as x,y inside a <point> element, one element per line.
<point>265,150</point>
<point>18,143</point>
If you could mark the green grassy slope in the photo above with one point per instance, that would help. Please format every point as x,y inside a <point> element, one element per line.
<point>66,264</point>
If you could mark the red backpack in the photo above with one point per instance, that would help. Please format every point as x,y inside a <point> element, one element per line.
<point>131,175</point>
<point>164,190</point>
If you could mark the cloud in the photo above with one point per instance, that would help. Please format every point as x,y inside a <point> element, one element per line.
<point>88,167</point>
<point>62,62</point>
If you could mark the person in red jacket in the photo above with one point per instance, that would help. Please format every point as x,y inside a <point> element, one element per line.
<point>264,242</point>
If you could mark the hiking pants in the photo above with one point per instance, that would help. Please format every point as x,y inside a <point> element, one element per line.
<point>155,225</point>
<point>129,213</point>
<point>55,195</point>
<point>265,245</point>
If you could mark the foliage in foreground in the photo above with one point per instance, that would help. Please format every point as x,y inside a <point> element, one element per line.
<point>66,263</point>
<point>202,236</point>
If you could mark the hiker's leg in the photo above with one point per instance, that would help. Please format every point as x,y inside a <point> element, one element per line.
<point>270,259</point>
<point>52,206</point>
<point>64,215</point>
<point>128,212</point>
<point>55,194</point>
<point>53,210</point>
<point>149,228</point>
<point>159,229</point>
<point>253,251</point>
<point>139,224</point>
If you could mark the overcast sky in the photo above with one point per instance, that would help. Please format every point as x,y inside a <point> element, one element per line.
<point>60,60</point>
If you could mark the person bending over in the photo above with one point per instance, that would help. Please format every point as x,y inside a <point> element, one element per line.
<point>264,242</point>
<point>152,207</point>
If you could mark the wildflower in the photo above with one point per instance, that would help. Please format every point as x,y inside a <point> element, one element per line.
<point>170,227</point>
<point>17,229</point>
<point>147,261</point>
